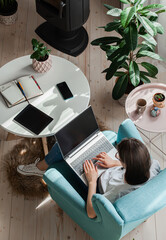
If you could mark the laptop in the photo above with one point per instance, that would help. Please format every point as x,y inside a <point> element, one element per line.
<point>80,140</point>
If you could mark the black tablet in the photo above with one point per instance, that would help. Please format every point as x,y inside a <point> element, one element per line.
<point>33,119</point>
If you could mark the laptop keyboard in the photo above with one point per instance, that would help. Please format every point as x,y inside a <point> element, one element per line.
<point>102,145</point>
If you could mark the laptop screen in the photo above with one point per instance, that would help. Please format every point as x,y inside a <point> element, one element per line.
<point>77,131</point>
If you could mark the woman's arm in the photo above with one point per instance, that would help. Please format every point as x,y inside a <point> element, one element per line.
<point>91,174</point>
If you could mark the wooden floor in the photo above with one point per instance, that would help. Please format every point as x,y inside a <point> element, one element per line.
<point>22,218</point>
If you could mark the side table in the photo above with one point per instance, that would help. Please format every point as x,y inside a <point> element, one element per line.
<point>145,121</point>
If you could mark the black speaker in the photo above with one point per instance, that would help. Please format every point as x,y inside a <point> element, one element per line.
<point>63,28</point>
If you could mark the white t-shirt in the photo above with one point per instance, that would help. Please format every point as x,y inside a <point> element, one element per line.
<point>111,183</point>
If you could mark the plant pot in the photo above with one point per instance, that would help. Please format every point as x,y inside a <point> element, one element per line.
<point>9,15</point>
<point>159,100</point>
<point>42,66</point>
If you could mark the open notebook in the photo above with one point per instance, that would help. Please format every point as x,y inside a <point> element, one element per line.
<point>20,90</point>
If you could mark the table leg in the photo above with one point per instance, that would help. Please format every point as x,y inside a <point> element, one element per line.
<point>45,146</point>
<point>150,140</point>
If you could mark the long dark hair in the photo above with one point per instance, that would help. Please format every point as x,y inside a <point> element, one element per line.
<point>135,155</point>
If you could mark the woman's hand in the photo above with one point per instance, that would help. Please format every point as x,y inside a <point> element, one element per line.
<point>106,161</point>
<point>91,171</point>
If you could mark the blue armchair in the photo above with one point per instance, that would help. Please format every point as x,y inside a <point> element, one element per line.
<point>113,221</point>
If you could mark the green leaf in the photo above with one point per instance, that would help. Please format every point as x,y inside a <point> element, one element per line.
<point>148,14</point>
<point>149,38</point>
<point>122,43</point>
<point>43,53</point>
<point>161,11</point>
<point>41,44</point>
<point>143,78</point>
<point>142,12</point>
<point>144,47</point>
<point>147,24</point>
<point>131,36</point>
<point>127,15</point>
<point>34,42</point>
<point>145,53</point>
<point>108,49</point>
<point>124,1</point>
<point>119,74</point>
<point>148,45</point>
<point>108,6</point>
<point>153,6</point>
<point>119,53</point>
<point>158,27</point>
<point>105,70</point>
<point>134,73</point>
<point>114,12</point>
<point>112,26</point>
<point>115,54</point>
<point>124,65</point>
<point>114,66</point>
<point>120,87</point>
<point>139,2</point>
<point>105,40</point>
<point>152,70</point>
<point>35,55</point>
<point>152,18</point>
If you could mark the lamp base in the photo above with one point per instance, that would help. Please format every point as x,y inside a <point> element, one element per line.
<point>72,43</point>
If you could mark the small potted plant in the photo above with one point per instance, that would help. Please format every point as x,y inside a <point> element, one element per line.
<point>135,28</point>
<point>8,11</point>
<point>158,100</point>
<point>41,60</point>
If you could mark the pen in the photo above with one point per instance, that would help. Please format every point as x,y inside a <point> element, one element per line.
<point>22,90</point>
<point>36,82</point>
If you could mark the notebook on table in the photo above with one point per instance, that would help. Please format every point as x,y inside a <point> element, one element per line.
<point>82,140</point>
<point>33,119</point>
<point>20,90</point>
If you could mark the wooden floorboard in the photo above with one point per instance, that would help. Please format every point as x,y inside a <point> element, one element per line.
<point>41,219</point>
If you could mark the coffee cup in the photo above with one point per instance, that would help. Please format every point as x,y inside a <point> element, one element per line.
<point>141,105</point>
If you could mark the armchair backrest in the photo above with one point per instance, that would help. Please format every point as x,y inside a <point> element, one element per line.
<point>140,204</point>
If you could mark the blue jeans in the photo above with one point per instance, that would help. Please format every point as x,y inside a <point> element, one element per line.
<point>55,159</point>
<point>54,155</point>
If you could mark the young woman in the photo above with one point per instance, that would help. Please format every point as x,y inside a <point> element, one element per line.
<point>122,176</point>
<point>133,168</point>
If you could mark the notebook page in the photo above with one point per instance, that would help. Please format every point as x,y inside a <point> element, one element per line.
<point>29,86</point>
<point>12,94</point>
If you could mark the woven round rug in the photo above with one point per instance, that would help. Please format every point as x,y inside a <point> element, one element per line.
<point>25,152</point>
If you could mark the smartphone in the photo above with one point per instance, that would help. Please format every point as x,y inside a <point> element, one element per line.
<point>64,90</point>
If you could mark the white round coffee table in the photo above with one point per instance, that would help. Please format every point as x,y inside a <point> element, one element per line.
<point>52,103</point>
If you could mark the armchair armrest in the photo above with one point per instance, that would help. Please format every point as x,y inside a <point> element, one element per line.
<point>106,209</point>
<point>57,183</point>
<point>66,196</point>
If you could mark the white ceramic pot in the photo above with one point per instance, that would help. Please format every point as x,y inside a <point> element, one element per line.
<point>42,66</point>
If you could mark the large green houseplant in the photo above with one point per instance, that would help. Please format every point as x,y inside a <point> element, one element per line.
<point>136,27</point>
